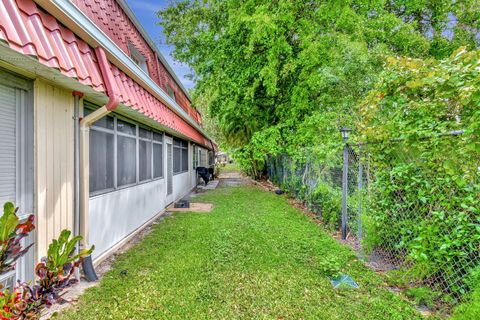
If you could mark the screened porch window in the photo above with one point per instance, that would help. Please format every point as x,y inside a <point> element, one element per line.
<point>122,154</point>
<point>180,156</point>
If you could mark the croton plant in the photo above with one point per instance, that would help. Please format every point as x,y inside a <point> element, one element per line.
<point>11,234</point>
<point>54,272</point>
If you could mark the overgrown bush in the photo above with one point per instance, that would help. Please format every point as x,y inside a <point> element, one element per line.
<point>318,186</point>
<point>424,121</point>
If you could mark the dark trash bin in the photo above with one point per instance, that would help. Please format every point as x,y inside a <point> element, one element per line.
<point>204,174</point>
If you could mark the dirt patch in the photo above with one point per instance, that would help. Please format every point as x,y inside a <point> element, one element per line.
<point>266,185</point>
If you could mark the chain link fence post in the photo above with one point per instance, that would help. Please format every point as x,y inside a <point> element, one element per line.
<point>345,132</point>
<point>360,202</point>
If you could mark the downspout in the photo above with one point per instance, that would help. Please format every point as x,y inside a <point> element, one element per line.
<point>76,187</point>
<point>85,123</point>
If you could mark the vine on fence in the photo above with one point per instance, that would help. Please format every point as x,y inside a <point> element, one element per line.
<point>425,196</point>
<point>422,168</point>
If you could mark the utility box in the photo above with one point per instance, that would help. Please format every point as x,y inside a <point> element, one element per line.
<point>182,204</point>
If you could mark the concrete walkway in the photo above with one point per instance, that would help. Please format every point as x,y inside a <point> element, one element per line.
<point>232,178</point>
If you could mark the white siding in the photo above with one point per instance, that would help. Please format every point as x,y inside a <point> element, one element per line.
<point>54,162</point>
<point>181,185</point>
<point>115,215</point>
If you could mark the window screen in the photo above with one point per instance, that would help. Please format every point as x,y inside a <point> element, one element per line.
<point>177,160</point>
<point>137,155</point>
<point>126,160</point>
<point>180,156</point>
<point>145,160</point>
<point>126,127</point>
<point>101,160</point>
<point>195,157</point>
<point>157,160</point>
<point>185,159</point>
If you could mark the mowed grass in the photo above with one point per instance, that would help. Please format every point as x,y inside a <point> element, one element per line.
<point>253,257</point>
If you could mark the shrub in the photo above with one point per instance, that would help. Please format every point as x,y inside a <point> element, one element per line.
<point>425,197</point>
<point>11,234</point>
<point>54,272</point>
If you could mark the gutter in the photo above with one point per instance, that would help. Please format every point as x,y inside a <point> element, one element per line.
<point>76,163</point>
<point>84,161</point>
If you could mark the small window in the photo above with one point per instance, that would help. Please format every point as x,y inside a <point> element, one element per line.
<point>180,156</point>
<point>145,160</point>
<point>171,93</point>
<point>177,160</point>
<point>138,57</point>
<point>105,122</point>
<point>158,137</point>
<point>211,158</point>
<point>184,160</point>
<point>144,133</point>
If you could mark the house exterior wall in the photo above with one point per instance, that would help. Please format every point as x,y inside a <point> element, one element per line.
<point>31,31</point>
<point>115,215</point>
<point>60,61</point>
<point>54,162</point>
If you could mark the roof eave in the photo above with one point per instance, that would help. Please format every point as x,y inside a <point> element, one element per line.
<point>72,17</point>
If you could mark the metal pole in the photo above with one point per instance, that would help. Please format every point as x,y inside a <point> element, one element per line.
<point>360,187</point>
<point>344,191</point>
<point>76,160</point>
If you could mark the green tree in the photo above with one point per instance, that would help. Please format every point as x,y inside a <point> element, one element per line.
<point>283,76</point>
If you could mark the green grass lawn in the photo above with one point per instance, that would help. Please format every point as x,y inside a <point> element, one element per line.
<point>253,257</point>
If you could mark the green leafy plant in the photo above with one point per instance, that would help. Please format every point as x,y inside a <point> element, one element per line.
<point>425,196</point>
<point>11,234</point>
<point>54,274</point>
<point>330,267</point>
<point>17,305</point>
<point>470,309</point>
<point>55,271</point>
<point>423,296</point>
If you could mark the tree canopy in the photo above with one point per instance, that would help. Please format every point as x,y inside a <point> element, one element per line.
<point>285,75</point>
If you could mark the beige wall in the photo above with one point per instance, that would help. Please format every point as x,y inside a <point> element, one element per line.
<point>54,162</point>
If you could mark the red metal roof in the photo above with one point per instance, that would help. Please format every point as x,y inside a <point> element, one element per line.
<point>115,23</point>
<point>29,30</point>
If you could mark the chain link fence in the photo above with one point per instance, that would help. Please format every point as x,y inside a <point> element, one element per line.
<point>410,209</point>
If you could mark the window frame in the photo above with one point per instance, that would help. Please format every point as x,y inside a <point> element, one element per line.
<point>171,92</point>
<point>194,156</point>
<point>116,133</point>
<point>138,58</point>
<point>109,131</point>
<point>181,147</point>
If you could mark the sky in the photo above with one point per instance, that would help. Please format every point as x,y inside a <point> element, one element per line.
<point>145,10</point>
